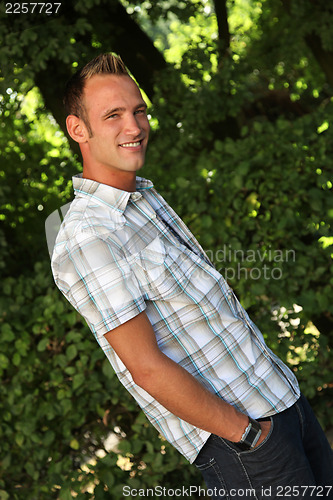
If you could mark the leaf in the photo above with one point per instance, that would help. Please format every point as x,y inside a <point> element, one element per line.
<point>107,369</point>
<point>78,380</point>
<point>48,438</point>
<point>4,361</point>
<point>7,334</point>
<point>16,360</point>
<point>42,344</point>
<point>19,439</point>
<point>71,352</point>
<point>74,444</point>
<point>99,492</point>
<point>30,468</point>
<point>65,494</point>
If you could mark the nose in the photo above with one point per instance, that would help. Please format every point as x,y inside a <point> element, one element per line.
<point>132,125</point>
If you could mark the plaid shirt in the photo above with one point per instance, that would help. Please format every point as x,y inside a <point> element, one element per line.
<point>118,254</point>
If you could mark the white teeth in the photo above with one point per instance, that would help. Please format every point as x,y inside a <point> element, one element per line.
<point>131,145</point>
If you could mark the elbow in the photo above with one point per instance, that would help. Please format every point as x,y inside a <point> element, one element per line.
<point>142,378</point>
<point>146,378</point>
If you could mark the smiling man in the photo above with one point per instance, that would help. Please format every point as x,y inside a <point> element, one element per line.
<point>112,131</point>
<point>173,330</point>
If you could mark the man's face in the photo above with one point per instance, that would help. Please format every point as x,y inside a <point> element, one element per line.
<point>119,124</point>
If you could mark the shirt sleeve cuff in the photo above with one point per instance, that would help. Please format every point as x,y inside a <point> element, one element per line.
<point>115,320</point>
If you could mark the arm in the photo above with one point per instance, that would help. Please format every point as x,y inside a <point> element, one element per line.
<point>171,385</point>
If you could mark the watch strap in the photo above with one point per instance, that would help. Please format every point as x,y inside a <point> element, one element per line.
<point>251,435</point>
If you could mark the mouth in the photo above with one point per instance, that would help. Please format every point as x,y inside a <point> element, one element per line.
<point>136,144</point>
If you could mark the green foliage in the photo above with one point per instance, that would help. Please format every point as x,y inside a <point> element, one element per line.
<point>34,158</point>
<point>241,147</point>
<point>59,402</point>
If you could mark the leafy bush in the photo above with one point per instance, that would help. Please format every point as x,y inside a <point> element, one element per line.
<point>60,400</point>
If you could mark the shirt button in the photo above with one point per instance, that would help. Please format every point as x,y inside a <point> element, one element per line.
<point>135,196</point>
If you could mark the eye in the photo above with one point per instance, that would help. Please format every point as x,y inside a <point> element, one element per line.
<point>140,111</point>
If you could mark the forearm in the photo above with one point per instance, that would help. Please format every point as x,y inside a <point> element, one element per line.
<point>184,396</point>
<point>170,384</point>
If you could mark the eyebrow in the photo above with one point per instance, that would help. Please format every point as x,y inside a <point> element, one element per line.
<point>121,109</point>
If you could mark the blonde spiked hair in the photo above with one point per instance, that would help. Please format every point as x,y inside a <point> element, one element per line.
<point>104,64</point>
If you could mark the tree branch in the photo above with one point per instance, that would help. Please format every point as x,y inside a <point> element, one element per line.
<point>223,26</point>
<point>323,57</point>
<point>124,36</point>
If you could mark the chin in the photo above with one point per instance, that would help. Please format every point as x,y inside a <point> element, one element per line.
<point>138,167</point>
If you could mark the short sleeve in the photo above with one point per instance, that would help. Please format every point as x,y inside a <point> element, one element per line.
<point>98,281</point>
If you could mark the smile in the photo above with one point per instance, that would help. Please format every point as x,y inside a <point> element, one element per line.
<point>131,144</point>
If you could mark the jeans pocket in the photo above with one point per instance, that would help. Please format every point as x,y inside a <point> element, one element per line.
<point>213,478</point>
<point>206,454</point>
<point>205,465</point>
<point>266,440</point>
<point>237,448</point>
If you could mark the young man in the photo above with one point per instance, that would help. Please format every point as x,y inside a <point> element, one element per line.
<point>168,322</point>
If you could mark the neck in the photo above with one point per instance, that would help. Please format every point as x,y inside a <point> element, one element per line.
<point>126,181</point>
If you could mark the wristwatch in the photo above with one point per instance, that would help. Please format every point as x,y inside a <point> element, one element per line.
<point>251,435</point>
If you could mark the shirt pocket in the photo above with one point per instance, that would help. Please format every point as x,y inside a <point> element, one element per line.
<point>151,267</point>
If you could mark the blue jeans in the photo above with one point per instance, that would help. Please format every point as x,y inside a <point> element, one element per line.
<point>294,461</point>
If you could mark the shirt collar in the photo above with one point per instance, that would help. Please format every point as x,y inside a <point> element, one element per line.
<point>114,198</point>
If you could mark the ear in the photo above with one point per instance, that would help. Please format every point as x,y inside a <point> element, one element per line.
<point>77,129</point>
